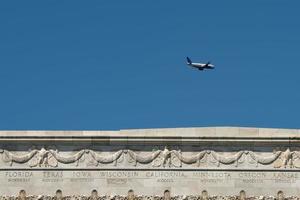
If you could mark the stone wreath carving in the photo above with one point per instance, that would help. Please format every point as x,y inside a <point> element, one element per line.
<point>144,197</point>
<point>157,158</point>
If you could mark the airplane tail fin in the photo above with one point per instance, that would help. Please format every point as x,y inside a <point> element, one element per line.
<point>189,61</point>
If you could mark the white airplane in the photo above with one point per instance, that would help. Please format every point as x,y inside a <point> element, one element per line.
<point>200,66</point>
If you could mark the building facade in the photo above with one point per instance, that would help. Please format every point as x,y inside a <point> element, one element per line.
<point>176,163</point>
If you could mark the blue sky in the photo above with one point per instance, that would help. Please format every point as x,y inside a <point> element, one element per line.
<point>121,64</point>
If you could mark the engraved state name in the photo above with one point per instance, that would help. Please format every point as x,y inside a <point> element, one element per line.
<point>175,175</point>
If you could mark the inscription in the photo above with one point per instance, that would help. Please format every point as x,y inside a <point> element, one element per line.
<point>166,174</point>
<point>224,175</point>
<point>116,181</point>
<point>208,179</point>
<point>213,177</point>
<point>119,174</point>
<point>18,176</point>
<point>50,176</point>
<point>164,180</point>
<point>82,176</point>
<point>81,179</point>
<point>252,177</point>
<point>283,177</point>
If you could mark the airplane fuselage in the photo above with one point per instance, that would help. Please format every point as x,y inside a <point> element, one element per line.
<point>201,65</point>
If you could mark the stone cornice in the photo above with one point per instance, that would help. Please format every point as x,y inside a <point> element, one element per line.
<point>166,136</point>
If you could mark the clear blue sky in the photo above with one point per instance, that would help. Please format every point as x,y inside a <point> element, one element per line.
<point>121,64</point>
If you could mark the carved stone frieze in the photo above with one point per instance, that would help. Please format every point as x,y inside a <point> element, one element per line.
<point>157,158</point>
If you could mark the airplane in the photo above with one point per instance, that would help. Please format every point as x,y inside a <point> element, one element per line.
<point>199,66</point>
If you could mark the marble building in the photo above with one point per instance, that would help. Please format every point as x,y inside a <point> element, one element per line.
<point>172,163</point>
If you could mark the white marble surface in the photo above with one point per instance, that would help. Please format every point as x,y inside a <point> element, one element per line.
<point>222,160</point>
<point>165,132</point>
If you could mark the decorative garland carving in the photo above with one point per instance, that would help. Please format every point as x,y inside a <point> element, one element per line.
<point>158,158</point>
<point>113,158</point>
<point>141,157</point>
<point>263,160</point>
<point>68,159</point>
<point>227,159</point>
<point>191,159</point>
<point>40,158</point>
<point>12,157</point>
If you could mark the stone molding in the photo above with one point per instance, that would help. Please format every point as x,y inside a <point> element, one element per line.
<point>144,197</point>
<point>217,135</point>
